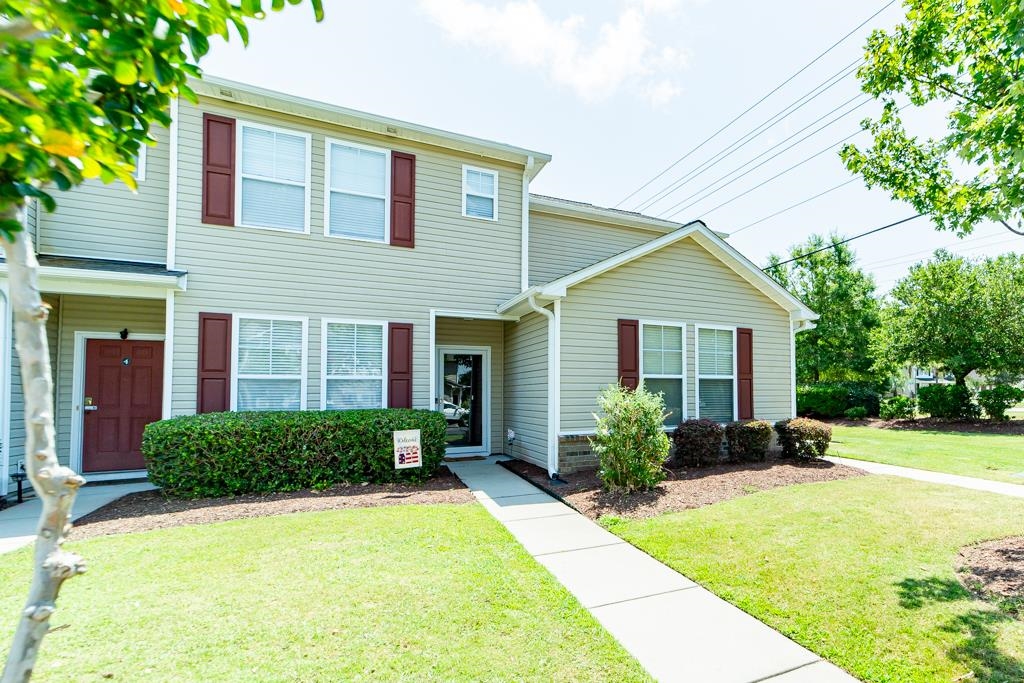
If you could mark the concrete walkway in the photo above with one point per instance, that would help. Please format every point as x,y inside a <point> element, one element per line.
<point>1006,489</point>
<point>18,522</point>
<point>677,630</point>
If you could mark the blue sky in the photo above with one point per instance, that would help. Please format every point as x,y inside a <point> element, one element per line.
<point>616,90</point>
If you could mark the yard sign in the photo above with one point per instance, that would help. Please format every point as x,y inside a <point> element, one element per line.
<point>407,449</point>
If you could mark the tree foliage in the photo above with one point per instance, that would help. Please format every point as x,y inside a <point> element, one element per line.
<point>957,314</point>
<point>966,57</point>
<point>82,82</point>
<point>830,283</point>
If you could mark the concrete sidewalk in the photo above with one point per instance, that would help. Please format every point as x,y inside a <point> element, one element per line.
<point>677,630</point>
<point>1004,488</point>
<point>18,522</point>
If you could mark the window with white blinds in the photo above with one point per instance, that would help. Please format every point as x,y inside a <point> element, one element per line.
<point>479,193</point>
<point>353,365</point>
<point>663,367</point>
<point>716,373</point>
<point>271,358</point>
<point>357,191</point>
<point>273,178</point>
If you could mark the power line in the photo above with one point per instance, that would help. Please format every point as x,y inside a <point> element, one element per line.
<point>844,241</point>
<point>793,206</point>
<point>755,104</point>
<point>751,135</point>
<point>917,256</point>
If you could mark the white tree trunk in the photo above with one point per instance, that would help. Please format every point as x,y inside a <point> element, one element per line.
<point>54,484</point>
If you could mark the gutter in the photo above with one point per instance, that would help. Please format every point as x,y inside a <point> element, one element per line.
<point>553,388</point>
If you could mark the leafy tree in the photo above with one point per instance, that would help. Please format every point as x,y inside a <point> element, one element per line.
<point>967,57</point>
<point>831,284</point>
<point>80,85</point>
<point>957,314</point>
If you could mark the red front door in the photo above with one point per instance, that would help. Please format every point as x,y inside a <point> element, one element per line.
<point>123,393</point>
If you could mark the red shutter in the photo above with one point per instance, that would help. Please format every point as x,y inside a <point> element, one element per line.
<point>218,170</point>
<point>629,353</point>
<point>403,199</point>
<point>745,372</point>
<point>214,377</point>
<point>399,365</point>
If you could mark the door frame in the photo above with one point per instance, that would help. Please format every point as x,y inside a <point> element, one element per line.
<point>485,427</point>
<point>5,388</point>
<point>78,398</point>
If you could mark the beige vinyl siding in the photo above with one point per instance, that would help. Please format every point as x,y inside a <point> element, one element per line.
<point>680,283</point>
<point>110,221</point>
<point>560,245</point>
<point>526,387</point>
<point>458,263</point>
<point>459,332</point>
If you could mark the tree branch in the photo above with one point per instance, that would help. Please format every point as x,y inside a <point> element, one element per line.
<point>951,91</point>
<point>1013,230</point>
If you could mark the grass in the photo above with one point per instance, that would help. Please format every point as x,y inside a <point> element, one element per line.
<point>396,593</point>
<point>860,571</point>
<point>989,456</point>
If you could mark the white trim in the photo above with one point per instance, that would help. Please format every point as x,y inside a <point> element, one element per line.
<point>168,380</point>
<point>684,377</point>
<point>95,477</point>
<point>485,426</point>
<point>172,186</point>
<point>553,408</point>
<point>383,324</point>
<point>328,189</point>
<point>557,370</point>
<point>524,246</point>
<point>304,376</point>
<point>78,386</point>
<point>465,192</point>
<point>5,388</point>
<point>697,377</point>
<point>793,328</point>
<point>240,126</point>
<point>140,164</point>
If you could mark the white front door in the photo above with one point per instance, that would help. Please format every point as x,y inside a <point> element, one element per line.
<point>464,396</point>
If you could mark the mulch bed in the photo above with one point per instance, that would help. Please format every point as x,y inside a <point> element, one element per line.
<point>685,488</point>
<point>994,570</point>
<point>152,510</point>
<point>932,424</point>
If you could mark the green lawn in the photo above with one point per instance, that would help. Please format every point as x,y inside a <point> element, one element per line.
<point>989,456</point>
<point>394,593</point>
<point>860,570</point>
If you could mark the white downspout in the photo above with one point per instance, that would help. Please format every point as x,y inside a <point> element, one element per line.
<point>552,384</point>
<point>524,247</point>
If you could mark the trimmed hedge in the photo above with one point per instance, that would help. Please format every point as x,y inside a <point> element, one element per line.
<point>833,399</point>
<point>951,401</point>
<point>801,437</point>
<point>219,454</point>
<point>856,413</point>
<point>698,442</point>
<point>749,441</point>
<point>897,408</point>
<point>1000,398</point>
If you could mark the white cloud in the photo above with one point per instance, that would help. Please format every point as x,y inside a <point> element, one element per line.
<point>622,55</point>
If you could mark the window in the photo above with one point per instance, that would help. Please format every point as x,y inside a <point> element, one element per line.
<point>663,367</point>
<point>273,178</point>
<point>140,164</point>
<point>358,182</point>
<point>353,365</point>
<point>716,373</point>
<point>479,193</point>
<point>271,360</point>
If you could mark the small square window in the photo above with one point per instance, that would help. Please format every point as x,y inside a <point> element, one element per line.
<point>479,193</point>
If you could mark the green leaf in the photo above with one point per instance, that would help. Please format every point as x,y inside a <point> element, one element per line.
<point>198,42</point>
<point>125,72</point>
<point>9,228</point>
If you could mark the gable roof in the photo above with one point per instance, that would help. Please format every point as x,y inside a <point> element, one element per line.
<point>571,208</point>
<point>702,235</point>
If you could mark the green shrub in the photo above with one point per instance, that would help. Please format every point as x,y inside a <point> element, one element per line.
<point>855,413</point>
<point>630,441</point>
<point>997,400</point>
<point>220,454</point>
<point>698,442</point>
<point>833,399</point>
<point>897,408</point>
<point>951,401</point>
<point>801,437</point>
<point>749,441</point>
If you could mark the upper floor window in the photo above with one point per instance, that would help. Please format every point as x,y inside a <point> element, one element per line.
<point>271,357</point>
<point>716,373</point>
<point>273,185</point>
<point>357,191</point>
<point>353,365</point>
<point>663,367</point>
<point>479,193</point>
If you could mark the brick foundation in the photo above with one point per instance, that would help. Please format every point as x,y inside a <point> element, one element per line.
<point>575,455</point>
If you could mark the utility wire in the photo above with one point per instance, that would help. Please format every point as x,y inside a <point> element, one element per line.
<point>844,241</point>
<point>793,206</point>
<point>751,135</point>
<point>755,104</point>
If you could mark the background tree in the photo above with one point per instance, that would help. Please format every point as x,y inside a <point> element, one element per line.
<point>966,56</point>
<point>80,85</point>
<point>831,284</point>
<point>957,314</point>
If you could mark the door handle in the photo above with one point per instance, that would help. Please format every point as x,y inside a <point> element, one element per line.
<point>90,408</point>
